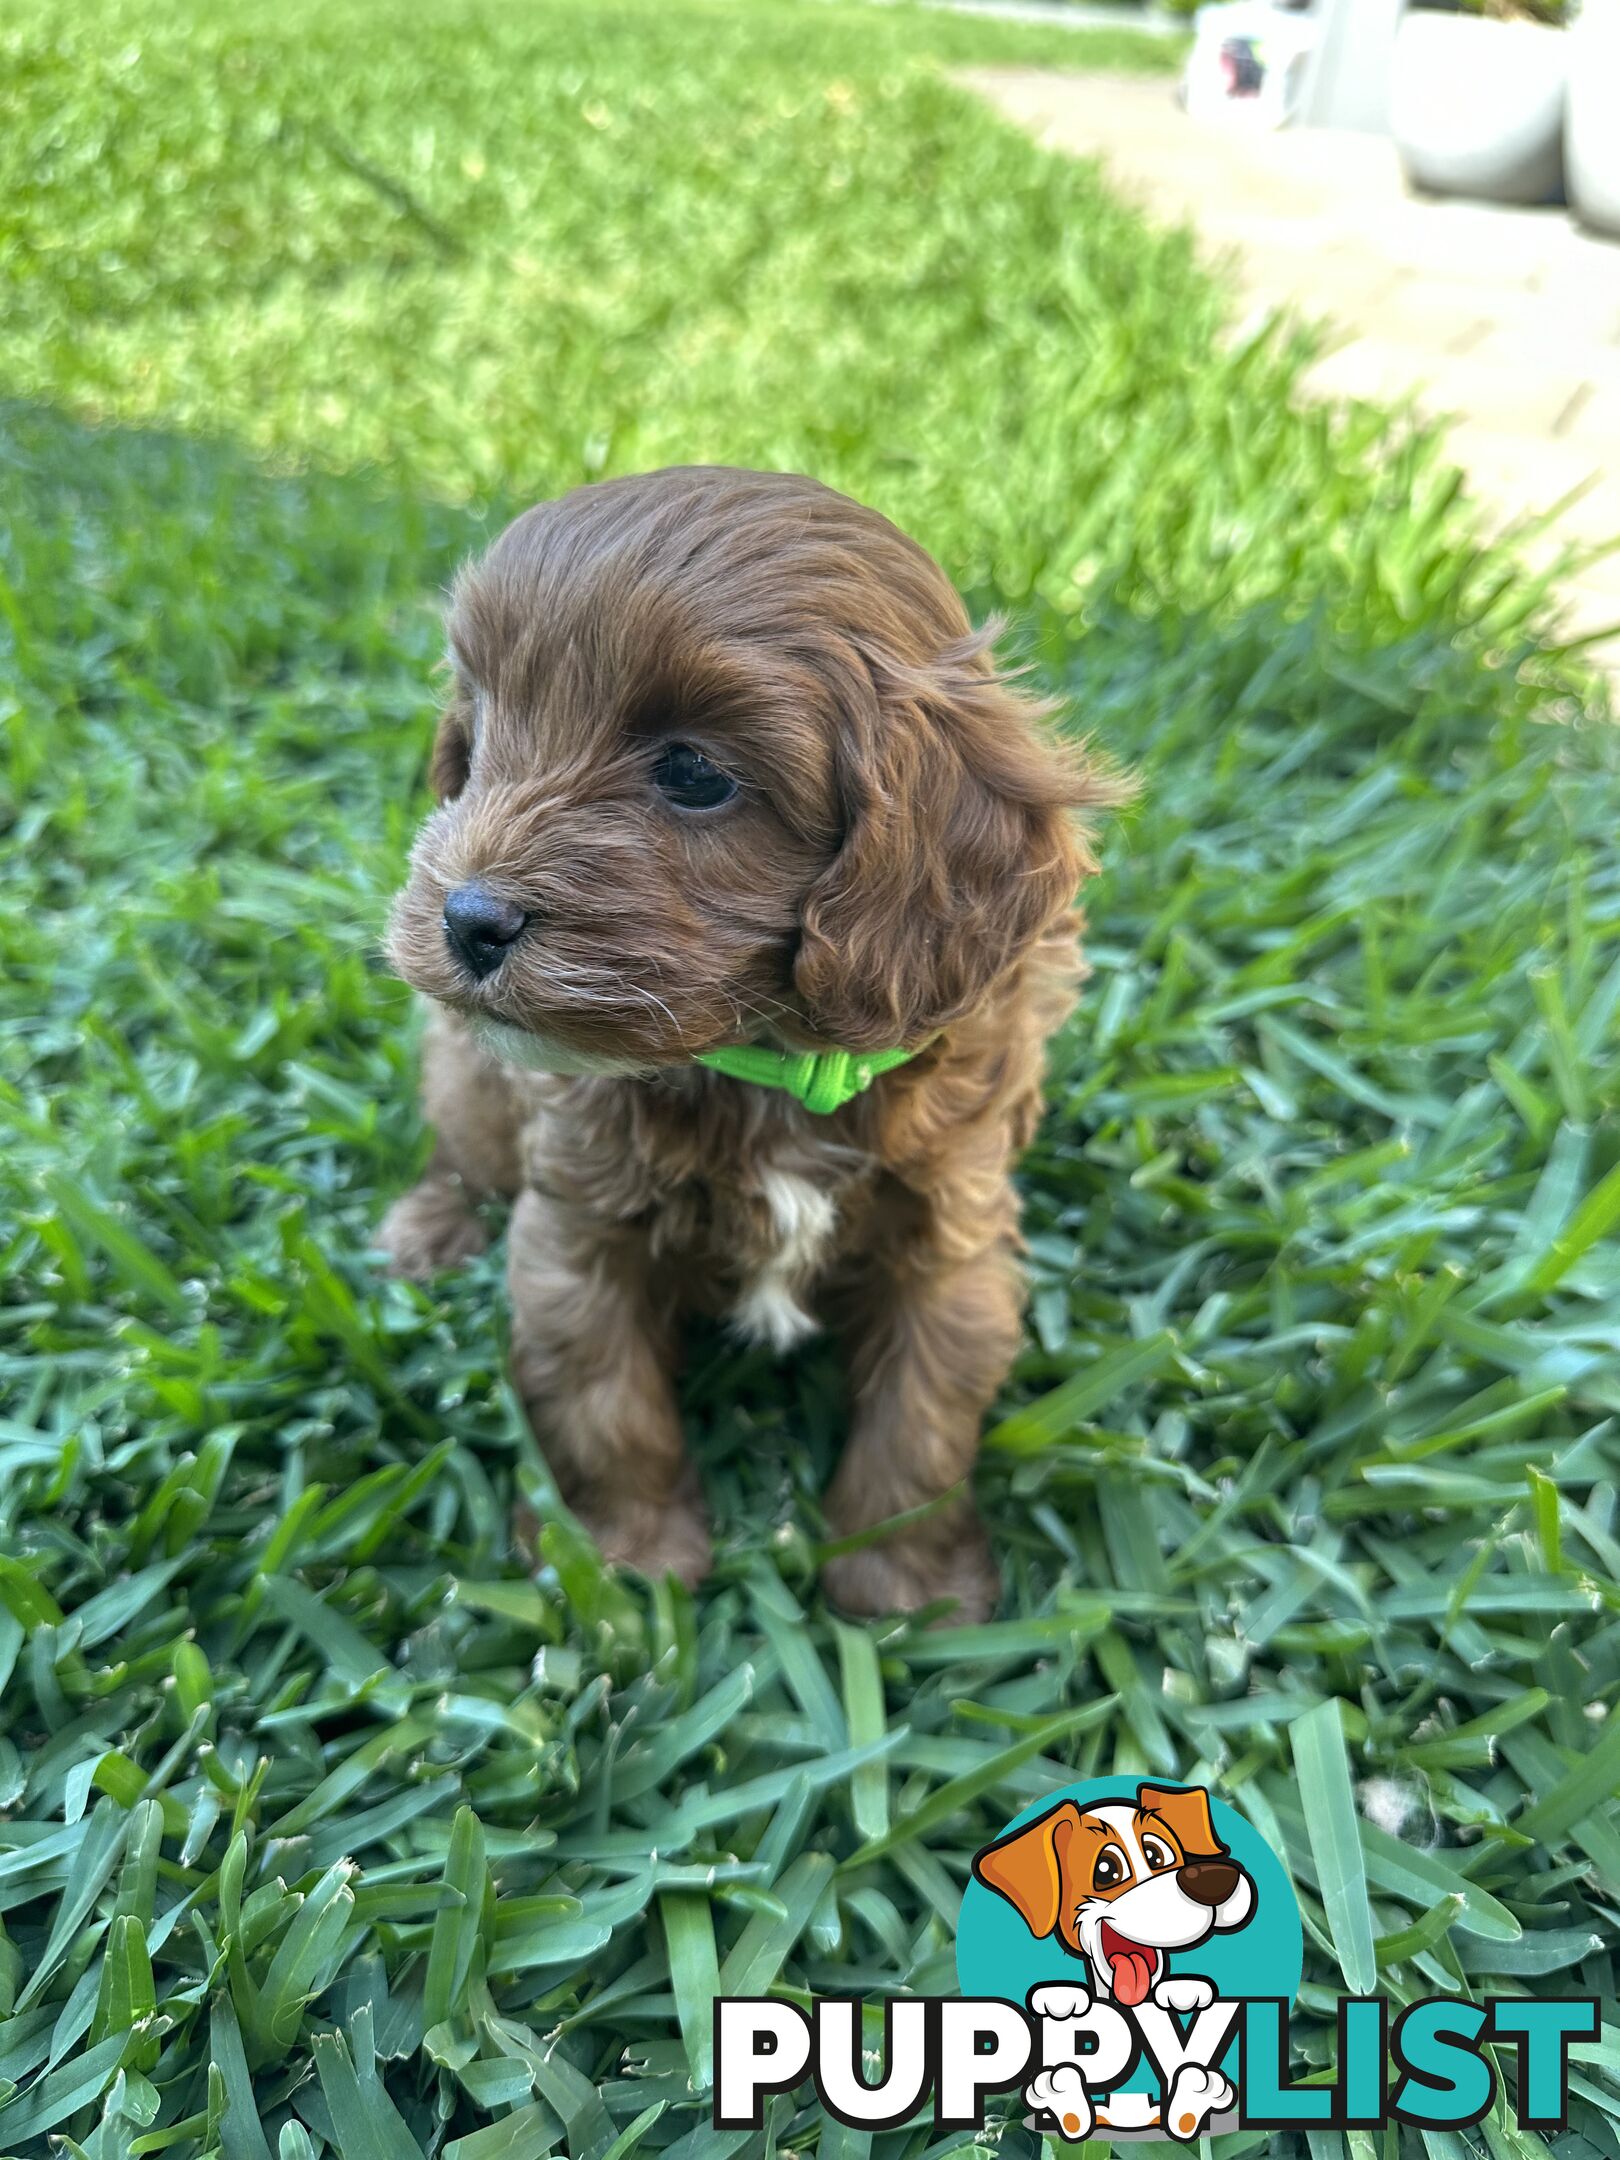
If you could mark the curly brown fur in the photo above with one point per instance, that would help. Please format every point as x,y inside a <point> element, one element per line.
<point>898,867</point>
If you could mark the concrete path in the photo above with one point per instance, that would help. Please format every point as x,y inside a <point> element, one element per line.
<point>1507,320</point>
<point>1072,15</point>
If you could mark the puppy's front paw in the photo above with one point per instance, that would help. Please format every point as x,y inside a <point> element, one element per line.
<point>431,1227</point>
<point>906,1572</point>
<point>655,1541</point>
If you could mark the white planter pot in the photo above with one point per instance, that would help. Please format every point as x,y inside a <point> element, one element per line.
<point>1477,107</point>
<point>1592,118</point>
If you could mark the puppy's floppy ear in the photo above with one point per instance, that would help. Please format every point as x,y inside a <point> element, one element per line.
<point>451,757</point>
<point>450,760</point>
<point>959,848</point>
<point>1026,1867</point>
<point>1187,1815</point>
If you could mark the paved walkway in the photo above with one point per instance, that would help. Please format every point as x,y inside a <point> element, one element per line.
<point>1073,15</point>
<point>1508,320</point>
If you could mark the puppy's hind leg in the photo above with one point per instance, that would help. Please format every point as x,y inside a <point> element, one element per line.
<point>468,1098</point>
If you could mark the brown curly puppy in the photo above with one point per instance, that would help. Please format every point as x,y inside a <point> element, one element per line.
<point>724,763</point>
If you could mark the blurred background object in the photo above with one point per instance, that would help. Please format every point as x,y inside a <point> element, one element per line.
<point>1427,237</point>
<point>1592,131</point>
<point>1476,106</point>
<point>1250,61</point>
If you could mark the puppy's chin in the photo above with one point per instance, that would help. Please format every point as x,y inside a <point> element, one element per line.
<point>538,1053</point>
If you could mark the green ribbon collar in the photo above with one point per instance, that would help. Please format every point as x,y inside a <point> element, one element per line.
<point>823,1080</point>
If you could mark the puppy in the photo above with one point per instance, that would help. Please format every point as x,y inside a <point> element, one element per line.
<point>724,767</point>
<point>1122,1886</point>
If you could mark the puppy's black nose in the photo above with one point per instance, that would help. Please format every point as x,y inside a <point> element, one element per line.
<point>1208,1882</point>
<point>480,927</point>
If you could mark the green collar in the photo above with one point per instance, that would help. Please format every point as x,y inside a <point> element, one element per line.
<point>822,1080</point>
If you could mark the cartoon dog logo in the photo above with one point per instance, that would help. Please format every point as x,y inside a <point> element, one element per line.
<point>1122,1886</point>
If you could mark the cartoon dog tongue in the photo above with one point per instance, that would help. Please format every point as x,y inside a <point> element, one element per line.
<point>1130,1967</point>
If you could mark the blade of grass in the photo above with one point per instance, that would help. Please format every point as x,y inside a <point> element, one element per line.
<point>1332,1825</point>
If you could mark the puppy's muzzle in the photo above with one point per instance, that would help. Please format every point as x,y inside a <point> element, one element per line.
<point>1208,1882</point>
<point>480,927</point>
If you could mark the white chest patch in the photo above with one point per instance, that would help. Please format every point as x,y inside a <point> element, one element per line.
<point>802,1220</point>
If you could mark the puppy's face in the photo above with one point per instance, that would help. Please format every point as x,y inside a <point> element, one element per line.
<point>629,827</point>
<point>723,762</point>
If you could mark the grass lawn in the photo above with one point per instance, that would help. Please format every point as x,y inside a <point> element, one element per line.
<point>320,1825</point>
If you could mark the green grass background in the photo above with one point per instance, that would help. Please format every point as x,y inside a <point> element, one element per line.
<point>321,1827</point>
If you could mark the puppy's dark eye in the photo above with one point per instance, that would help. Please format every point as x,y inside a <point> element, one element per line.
<point>1108,1869</point>
<point>690,780</point>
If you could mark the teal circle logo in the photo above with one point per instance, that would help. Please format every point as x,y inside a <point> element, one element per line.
<point>1116,1900</point>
